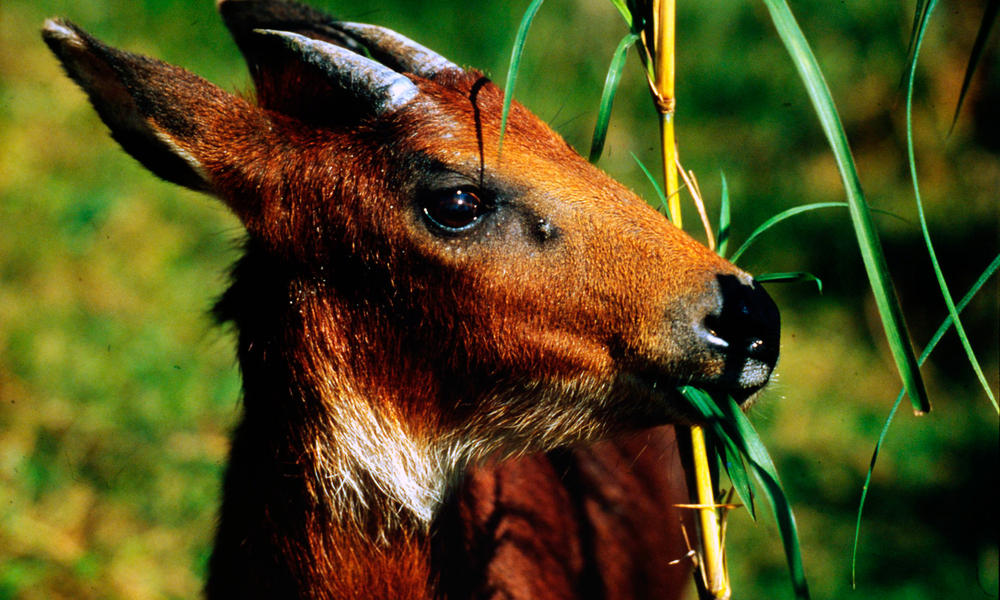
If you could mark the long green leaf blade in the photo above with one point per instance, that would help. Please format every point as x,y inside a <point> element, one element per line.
<point>625,12</point>
<point>911,155</point>
<point>656,187</point>
<point>918,16</point>
<point>983,278</point>
<point>515,64</point>
<point>732,453</point>
<point>737,471</point>
<point>978,48</point>
<point>724,219</point>
<point>608,95</point>
<point>785,214</point>
<point>789,278</point>
<point>764,470</point>
<point>729,425</point>
<point>861,218</point>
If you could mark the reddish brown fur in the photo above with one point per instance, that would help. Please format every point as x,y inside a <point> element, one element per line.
<point>389,370</point>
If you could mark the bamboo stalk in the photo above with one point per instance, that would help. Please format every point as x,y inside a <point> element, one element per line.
<point>716,579</point>
<point>714,576</point>
<point>664,12</point>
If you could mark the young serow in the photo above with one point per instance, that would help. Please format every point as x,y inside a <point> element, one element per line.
<point>459,364</point>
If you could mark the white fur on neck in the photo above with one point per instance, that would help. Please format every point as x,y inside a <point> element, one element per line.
<point>372,456</point>
<point>369,447</point>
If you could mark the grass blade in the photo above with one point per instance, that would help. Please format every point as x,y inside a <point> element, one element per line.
<point>790,277</point>
<point>737,471</point>
<point>918,16</point>
<point>766,474</point>
<point>724,218</point>
<point>978,48</point>
<point>945,292</point>
<point>656,186</point>
<point>941,330</point>
<point>864,228</point>
<point>791,212</point>
<point>515,64</point>
<point>624,10</point>
<point>733,456</point>
<point>730,426</point>
<point>608,95</point>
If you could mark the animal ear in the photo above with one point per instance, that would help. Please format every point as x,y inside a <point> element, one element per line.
<point>395,51</point>
<point>159,113</point>
<point>398,51</point>
<point>324,58</point>
<point>329,81</point>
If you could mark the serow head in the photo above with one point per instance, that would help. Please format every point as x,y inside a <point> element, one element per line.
<point>515,292</point>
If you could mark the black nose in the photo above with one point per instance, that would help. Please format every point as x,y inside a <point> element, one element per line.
<point>746,330</point>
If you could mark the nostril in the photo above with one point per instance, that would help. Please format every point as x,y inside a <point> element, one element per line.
<point>747,322</point>
<point>711,336</point>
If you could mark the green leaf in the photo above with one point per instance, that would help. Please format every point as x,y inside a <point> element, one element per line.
<point>729,425</point>
<point>624,10</point>
<point>978,49</point>
<point>790,277</point>
<point>724,216</point>
<point>919,11</point>
<point>864,228</point>
<point>608,95</point>
<point>791,212</point>
<point>656,186</point>
<point>942,284</point>
<point>737,471</point>
<point>515,64</point>
<point>731,454</point>
<point>944,327</point>
<point>767,475</point>
<point>785,214</point>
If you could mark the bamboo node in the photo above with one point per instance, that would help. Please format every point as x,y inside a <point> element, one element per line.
<point>665,106</point>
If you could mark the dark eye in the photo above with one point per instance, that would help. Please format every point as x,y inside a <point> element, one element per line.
<point>455,210</point>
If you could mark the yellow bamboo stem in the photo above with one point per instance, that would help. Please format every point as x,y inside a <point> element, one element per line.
<point>664,20</point>
<point>715,578</point>
<point>713,558</point>
<point>669,149</point>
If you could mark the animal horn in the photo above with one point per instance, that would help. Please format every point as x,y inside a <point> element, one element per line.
<point>382,88</point>
<point>393,48</point>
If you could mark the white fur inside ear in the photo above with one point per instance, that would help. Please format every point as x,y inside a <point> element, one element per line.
<point>183,154</point>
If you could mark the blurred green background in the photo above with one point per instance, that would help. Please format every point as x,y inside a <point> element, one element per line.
<point>117,392</point>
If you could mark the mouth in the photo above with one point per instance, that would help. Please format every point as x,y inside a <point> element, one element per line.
<point>662,396</point>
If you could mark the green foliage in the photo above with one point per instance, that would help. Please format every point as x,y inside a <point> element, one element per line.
<point>725,216</point>
<point>515,61</point>
<point>941,330</point>
<point>785,214</point>
<point>989,19</point>
<point>864,227</point>
<point>742,447</point>
<point>608,95</point>
<point>922,20</point>
<point>790,277</point>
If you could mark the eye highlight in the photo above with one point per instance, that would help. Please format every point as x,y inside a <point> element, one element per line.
<point>455,210</point>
